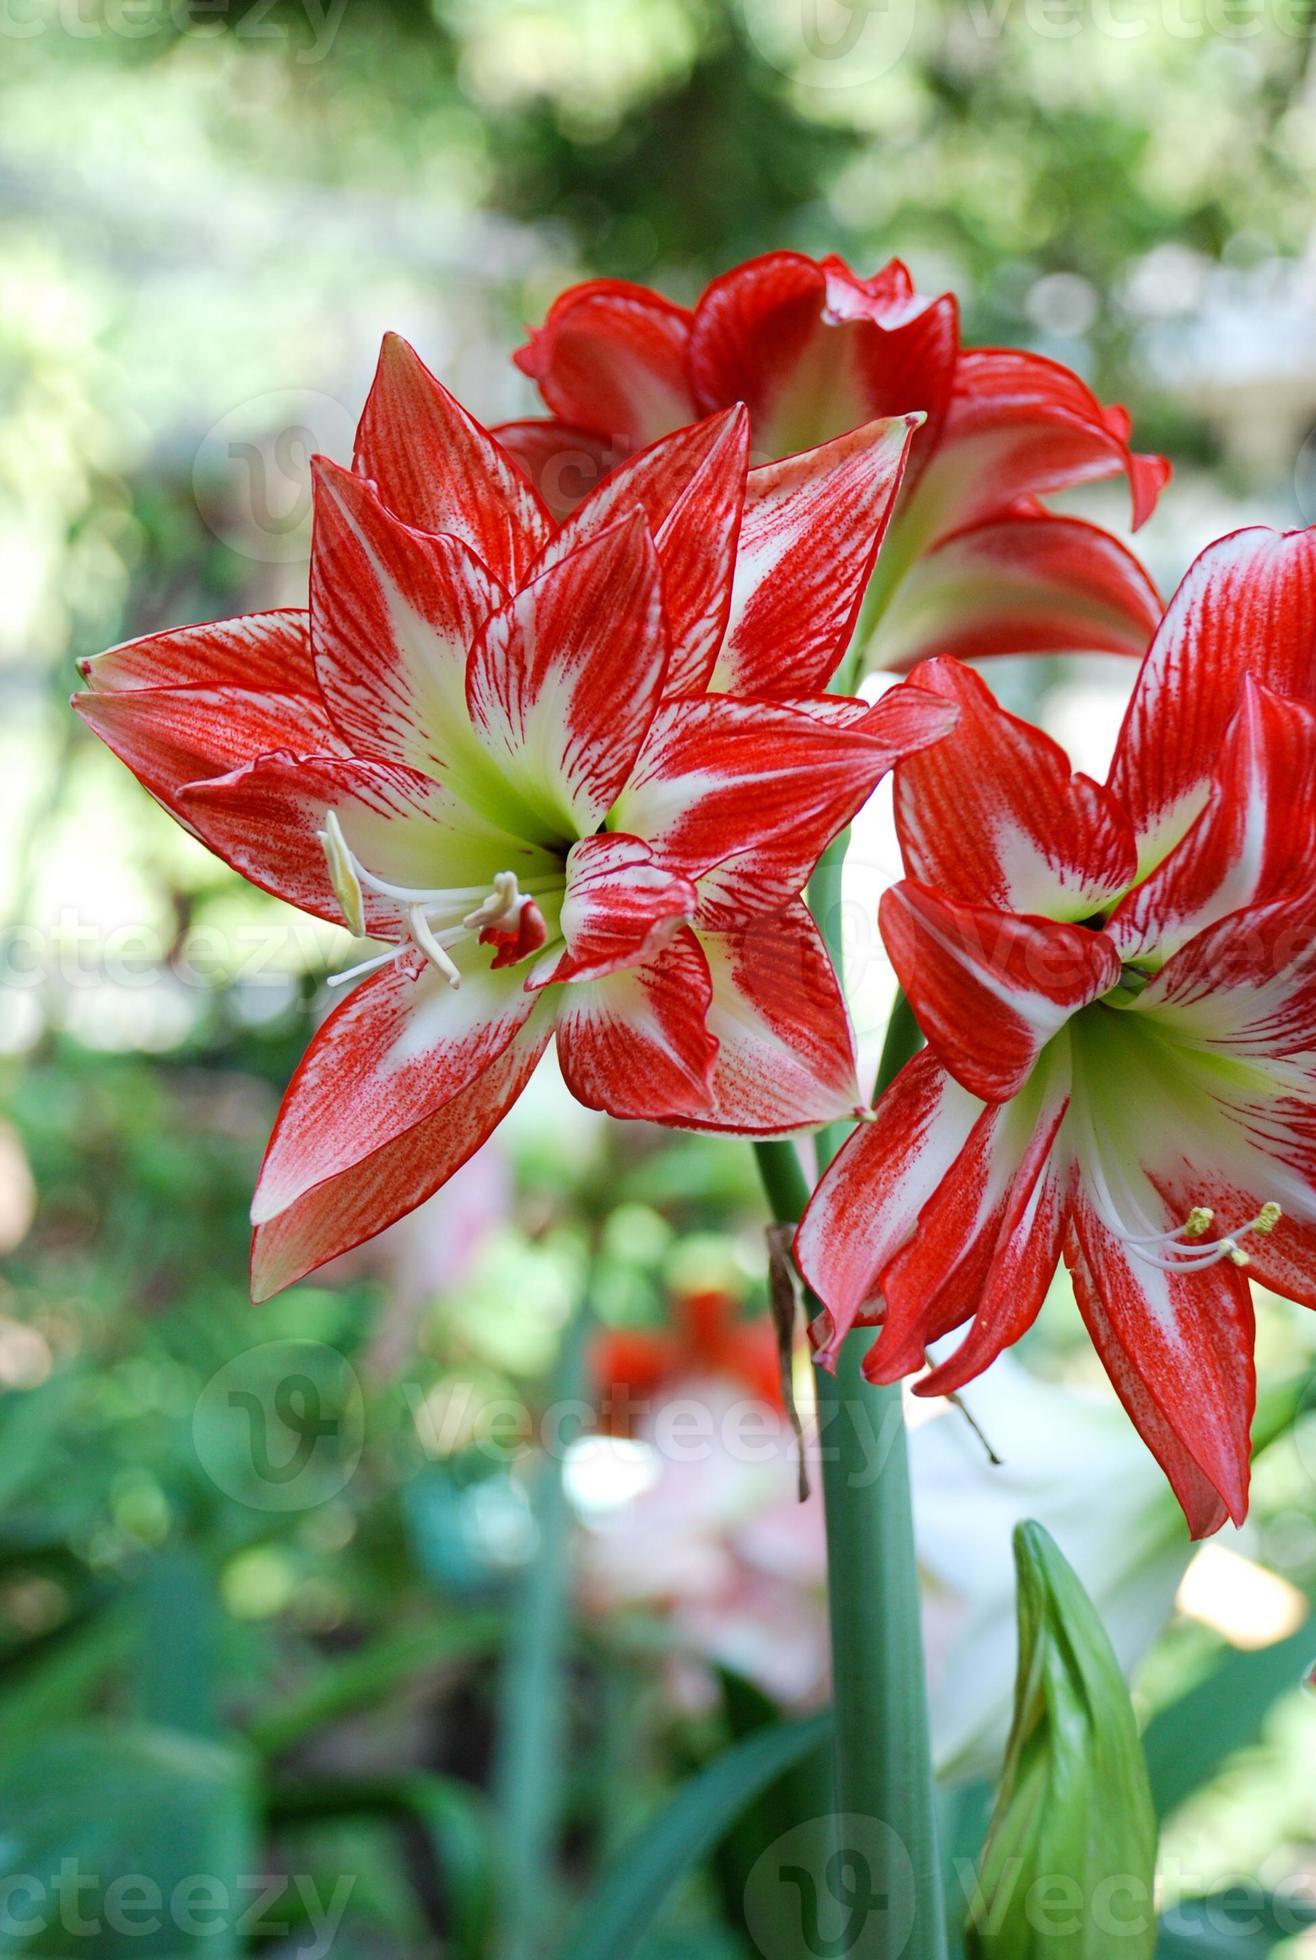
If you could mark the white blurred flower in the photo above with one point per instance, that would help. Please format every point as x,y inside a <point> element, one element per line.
<point>712,1538</point>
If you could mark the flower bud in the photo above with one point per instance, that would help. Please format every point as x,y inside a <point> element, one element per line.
<point>1068,1866</point>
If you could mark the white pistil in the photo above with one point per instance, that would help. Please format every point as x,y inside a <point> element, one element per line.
<point>500,908</point>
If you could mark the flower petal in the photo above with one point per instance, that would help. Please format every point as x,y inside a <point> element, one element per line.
<point>563,463</point>
<point>438,470</point>
<point>813,351</point>
<point>265,820</point>
<point>1026,582</point>
<point>170,736</point>
<point>621,904</point>
<point>610,357</point>
<point>563,682</point>
<point>993,816</point>
<point>868,1202</point>
<point>1020,425</point>
<point>1238,852</point>
<point>1246,606</point>
<point>268,652</point>
<point>989,989</point>
<point>691,487</point>
<point>1178,1350</point>
<point>318,1221</point>
<point>394,614</point>
<point>785,1056</point>
<point>635,1042</point>
<point>812,528</point>
<point>721,778</point>
<point>1245,985</point>
<point>986,1245</point>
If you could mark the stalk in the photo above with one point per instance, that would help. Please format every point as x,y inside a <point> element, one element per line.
<point>882,1755</point>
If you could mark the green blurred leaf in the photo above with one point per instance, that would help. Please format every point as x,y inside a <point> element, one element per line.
<point>364,1679</point>
<point>1186,1743</point>
<point>1070,1857</point>
<point>623,1909</point>
<point>141,1833</point>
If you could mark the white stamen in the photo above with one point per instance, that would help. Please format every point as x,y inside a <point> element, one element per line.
<point>343,874</point>
<point>1187,1250</point>
<point>500,907</point>
<point>433,950</point>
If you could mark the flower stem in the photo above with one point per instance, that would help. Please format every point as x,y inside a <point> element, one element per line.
<point>882,1749</point>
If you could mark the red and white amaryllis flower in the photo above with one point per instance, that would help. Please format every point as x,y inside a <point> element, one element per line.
<point>1118,989</point>
<point>974,564</point>
<point>491,744</point>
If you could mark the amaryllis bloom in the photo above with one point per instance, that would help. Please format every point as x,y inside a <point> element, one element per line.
<point>490,745</point>
<point>1118,989</point>
<point>708,1339</point>
<point>974,564</point>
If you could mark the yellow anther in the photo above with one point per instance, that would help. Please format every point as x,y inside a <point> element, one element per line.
<point>1235,1254</point>
<point>1267,1219</point>
<point>1199,1222</point>
<point>342,874</point>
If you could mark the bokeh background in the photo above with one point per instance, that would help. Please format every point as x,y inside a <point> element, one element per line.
<point>299,1594</point>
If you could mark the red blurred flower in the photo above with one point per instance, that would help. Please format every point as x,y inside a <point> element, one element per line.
<point>974,563</point>
<point>1118,989</point>
<point>490,744</point>
<point>634,1367</point>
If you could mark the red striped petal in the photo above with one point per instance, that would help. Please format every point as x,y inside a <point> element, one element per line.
<point>1247,606</point>
<point>785,1056</point>
<point>813,351</point>
<point>993,816</point>
<point>811,531</point>
<point>867,1205</point>
<point>691,487</point>
<point>563,682</point>
<point>636,1043</point>
<point>610,357</point>
<point>361,1198</point>
<point>1024,583</point>
<point>394,614</point>
<point>621,904</point>
<point>268,652</point>
<point>438,470</point>
<point>563,463</point>
<point>989,988</point>
<point>1178,1350</point>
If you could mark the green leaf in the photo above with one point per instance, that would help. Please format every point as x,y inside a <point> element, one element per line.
<point>1229,1926</point>
<point>1070,1857</point>
<point>456,1820</point>
<point>362,1680</point>
<point>626,1905</point>
<point>1188,1742</point>
<point>139,1837</point>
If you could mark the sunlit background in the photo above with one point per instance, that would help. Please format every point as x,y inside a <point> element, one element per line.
<point>286,1591</point>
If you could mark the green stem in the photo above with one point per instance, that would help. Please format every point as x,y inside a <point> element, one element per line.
<point>882,1748</point>
<point>528,1774</point>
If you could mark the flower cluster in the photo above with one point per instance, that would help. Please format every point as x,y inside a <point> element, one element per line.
<point>555,732</point>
